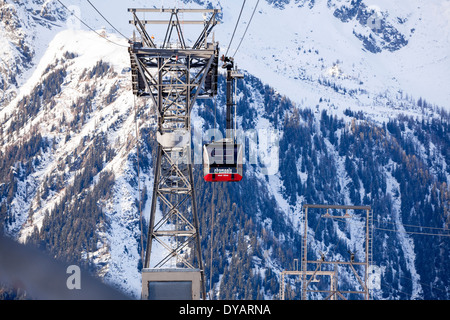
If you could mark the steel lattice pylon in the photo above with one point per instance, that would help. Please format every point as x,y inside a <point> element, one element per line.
<point>173,75</point>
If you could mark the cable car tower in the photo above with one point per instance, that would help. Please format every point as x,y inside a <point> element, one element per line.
<point>173,74</point>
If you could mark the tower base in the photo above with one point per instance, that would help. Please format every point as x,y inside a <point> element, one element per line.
<point>171,284</point>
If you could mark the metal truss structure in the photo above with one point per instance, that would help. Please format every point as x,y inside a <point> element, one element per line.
<point>311,269</point>
<point>174,74</point>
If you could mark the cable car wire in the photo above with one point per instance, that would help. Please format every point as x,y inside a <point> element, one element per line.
<point>418,226</point>
<point>245,32</point>
<point>89,27</point>
<point>139,178</point>
<point>235,27</point>
<point>106,19</point>
<point>412,232</point>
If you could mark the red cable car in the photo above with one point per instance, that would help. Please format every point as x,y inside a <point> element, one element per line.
<point>222,161</point>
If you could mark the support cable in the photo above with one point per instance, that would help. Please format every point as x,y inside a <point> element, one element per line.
<point>235,27</point>
<point>417,226</point>
<point>413,232</point>
<point>215,119</point>
<point>245,32</point>
<point>89,27</point>
<point>139,179</point>
<point>412,280</point>
<point>212,243</point>
<point>106,19</point>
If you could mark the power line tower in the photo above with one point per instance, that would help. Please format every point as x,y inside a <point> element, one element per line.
<point>359,269</point>
<point>173,74</point>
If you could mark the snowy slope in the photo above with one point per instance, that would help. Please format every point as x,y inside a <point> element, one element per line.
<point>26,28</point>
<point>120,210</point>
<point>297,46</point>
<point>294,42</point>
<point>299,42</point>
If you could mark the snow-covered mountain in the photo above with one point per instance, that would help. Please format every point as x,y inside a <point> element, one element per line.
<point>356,89</point>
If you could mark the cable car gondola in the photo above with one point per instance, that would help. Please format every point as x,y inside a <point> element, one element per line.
<point>222,161</point>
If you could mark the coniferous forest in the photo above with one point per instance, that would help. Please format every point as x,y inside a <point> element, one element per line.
<point>399,168</point>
